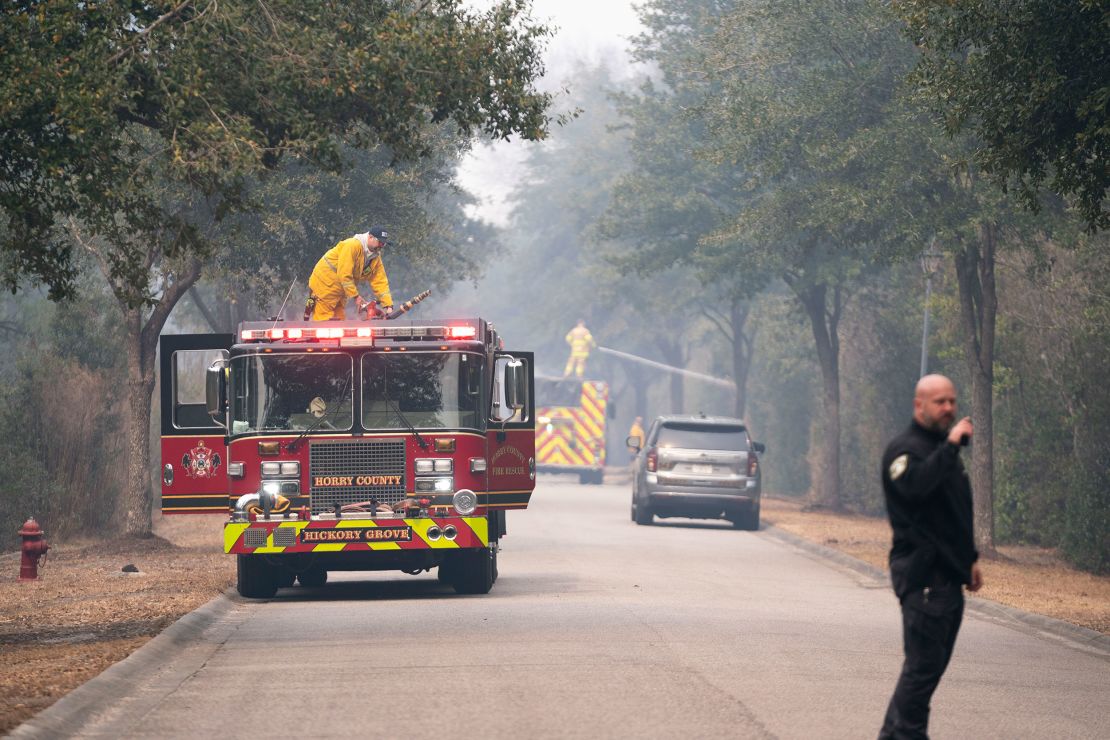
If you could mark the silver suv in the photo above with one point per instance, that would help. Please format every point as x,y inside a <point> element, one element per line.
<point>704,467</point>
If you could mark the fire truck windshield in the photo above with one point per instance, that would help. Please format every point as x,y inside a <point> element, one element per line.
<point>291,392</point>
<point>428,390</point>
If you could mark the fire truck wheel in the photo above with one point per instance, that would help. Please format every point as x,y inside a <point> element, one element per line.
<point>591,477</point>
<point>284,577</point>
<point>254,578</point>
<point>313,577</point>
<point>445,570</point>
<point>642,513</point>
<point>475,572</point>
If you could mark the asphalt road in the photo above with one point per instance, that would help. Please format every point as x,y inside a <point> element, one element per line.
<point>596,628</point>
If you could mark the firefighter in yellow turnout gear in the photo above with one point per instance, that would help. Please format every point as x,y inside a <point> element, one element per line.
<point>335,279</point>
<point>580,341</point>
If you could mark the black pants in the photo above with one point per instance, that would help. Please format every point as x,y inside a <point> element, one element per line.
<point>930,622</point>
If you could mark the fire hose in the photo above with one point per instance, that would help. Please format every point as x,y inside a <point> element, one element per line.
<point>398,311</point>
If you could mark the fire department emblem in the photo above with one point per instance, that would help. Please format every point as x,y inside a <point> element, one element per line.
<point>201,461</point>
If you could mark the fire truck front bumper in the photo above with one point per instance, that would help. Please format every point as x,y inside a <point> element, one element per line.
<point>365,535</point>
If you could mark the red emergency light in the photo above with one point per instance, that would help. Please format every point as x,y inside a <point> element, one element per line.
<point>387,332</point>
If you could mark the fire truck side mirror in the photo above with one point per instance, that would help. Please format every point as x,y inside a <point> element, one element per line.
<point>516,385</point>
<point>215,391</point>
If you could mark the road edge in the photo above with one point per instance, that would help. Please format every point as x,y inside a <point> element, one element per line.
<point>69,714</point>
<point>1087,640</point>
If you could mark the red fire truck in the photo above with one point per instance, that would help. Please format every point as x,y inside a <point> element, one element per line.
<point>350,445</point>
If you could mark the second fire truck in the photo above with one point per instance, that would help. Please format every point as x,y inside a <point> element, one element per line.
<point>350,445</point>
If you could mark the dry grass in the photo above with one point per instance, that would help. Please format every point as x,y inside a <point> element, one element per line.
<point>85,614</point>
<point>1033,579</point>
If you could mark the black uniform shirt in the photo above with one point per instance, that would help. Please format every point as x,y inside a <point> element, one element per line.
<point>928,499</point>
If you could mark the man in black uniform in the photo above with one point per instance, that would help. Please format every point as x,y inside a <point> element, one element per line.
<point>928,499</point>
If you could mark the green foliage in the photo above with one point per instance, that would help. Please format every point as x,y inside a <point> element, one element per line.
<point>783,390</point>
<point>307,210</point>
<point>106,104</point>
<point>1030,79</point>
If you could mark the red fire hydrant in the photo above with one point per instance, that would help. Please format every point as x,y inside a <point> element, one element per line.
<point>34,547</point>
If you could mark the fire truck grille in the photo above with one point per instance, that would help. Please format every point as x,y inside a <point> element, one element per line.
<point>340,468</point>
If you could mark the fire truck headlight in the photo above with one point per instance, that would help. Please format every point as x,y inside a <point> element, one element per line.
<point>443,485</point>
<point>425,465</point>
<point>465,501</point>
<point>271,487</point>
<point>444,465</point>
<point>477,465</point>
<point>271,468</point>
<point>291,468</point>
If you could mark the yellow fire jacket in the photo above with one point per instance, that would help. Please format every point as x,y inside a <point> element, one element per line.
<point>337,274</point>
<point>580,341</point>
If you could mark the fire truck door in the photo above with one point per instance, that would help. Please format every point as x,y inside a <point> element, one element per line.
<point>512,439</point>
<point>194,451</point>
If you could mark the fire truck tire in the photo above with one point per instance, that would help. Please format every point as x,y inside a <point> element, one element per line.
<point>313,577</point>
<point>254,578</point>
<point>445,571</point>
<point>591,477</point>
<point>284,578</point>
<point>642,514</point>
<point>476,569</point>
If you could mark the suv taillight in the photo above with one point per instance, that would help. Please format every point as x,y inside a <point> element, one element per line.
<point>753,464</point>
<point>652,459</point>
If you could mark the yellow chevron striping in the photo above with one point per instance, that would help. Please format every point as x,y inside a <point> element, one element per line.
<point>348,523</point>
<point>232,532</point>
<point>585,427</point>
<point>420,528</point>
<point>480,527</point>
<point>269,548</point>
<point>563,454</point>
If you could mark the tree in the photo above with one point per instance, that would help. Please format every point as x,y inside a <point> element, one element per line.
<point>1030,80</point>
<point>132,128</point>
<point>672,198</point>
<point>266,254</point>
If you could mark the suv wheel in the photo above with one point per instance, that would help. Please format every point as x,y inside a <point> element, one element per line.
<point>642,514</point>
<point>749,520</point>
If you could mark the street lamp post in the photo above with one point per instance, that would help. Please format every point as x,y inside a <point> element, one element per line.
<point>930,263</point>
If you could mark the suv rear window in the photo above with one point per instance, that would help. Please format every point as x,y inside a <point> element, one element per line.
<point>703,436</point>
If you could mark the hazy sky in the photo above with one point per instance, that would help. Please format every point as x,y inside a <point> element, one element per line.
<point>588,30</point>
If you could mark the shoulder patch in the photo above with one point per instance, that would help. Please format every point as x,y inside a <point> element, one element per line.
<point>898,466</point>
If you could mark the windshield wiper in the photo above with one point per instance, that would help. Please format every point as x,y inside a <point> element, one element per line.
<point>420,440</point>
<point>319,422</point>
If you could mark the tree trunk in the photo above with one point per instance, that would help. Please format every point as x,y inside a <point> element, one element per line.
<point>137,499</point>
<point>213,322</point>
<point>673,352</point>
<point>741,353</point>
<point>142,350</point>
<point>978,312</point>
<point>638,380</point>
<point>826,479</point>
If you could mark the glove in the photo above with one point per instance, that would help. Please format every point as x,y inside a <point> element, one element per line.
<point>385,310</point>
<point>360,304</point>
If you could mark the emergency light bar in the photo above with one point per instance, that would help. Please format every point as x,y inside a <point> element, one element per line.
<point>307,334</point>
